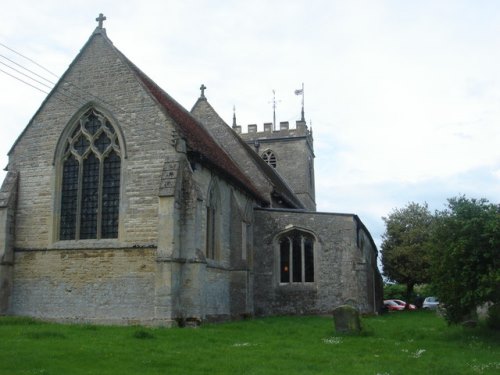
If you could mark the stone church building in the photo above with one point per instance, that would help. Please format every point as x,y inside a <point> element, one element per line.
<point>121,207</point>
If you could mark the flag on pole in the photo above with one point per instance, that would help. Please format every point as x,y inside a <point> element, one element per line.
<point>299,92</point>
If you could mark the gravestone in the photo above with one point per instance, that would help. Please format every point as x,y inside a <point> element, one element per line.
<point>346,319</point>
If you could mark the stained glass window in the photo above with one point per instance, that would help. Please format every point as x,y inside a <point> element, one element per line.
<point>91,170</point>
<point>69,198</point>
<point>90,198</point>
<point>110,196</point>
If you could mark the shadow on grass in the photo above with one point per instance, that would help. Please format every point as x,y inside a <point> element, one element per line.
<point>18,321</point>
<point>45,335</point>
<point>143,335</point>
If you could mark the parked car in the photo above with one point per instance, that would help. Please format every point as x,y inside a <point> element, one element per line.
<point>411,306</point>
<point>392,305</point>
<point>398,305</point>
<point>430,303</point>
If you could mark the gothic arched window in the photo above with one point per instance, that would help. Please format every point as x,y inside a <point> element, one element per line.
<point>91,170</point>
<point>296,257</point>
<point>213,222</point>
<point>269,158</point>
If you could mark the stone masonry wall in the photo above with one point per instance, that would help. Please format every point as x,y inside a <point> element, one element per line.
<point>206,285</point>
<point>97,286</point>
<point>339,264</point>
<point>110,280</point>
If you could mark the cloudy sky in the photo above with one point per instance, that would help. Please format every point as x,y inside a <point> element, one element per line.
<point>403,96</point>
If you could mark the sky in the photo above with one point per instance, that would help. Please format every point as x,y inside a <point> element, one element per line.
<point>403,97</point>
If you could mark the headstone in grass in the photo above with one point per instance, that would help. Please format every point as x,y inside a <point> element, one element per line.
<point>346,319</point>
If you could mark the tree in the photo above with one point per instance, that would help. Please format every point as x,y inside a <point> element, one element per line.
<point>466,256</point>
<point>405,248</point>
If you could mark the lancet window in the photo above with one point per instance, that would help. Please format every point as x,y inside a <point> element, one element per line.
<point>91,170</point>
<point>213,222</point>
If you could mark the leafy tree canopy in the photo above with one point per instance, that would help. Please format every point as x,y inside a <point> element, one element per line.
<point>405,248</point>
<point>466,256</point>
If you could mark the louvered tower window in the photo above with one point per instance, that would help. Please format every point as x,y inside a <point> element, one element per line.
<point>90,194</point>
<point>269,158</point>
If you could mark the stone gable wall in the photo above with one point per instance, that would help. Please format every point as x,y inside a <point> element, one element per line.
<point>113,280</point>
<point>98,76</point>
<point>230,141</point>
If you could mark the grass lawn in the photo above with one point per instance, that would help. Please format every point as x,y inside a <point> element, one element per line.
<point>396,343</point>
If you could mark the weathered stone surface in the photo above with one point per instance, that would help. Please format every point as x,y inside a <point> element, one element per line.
<point>157,271</point>
<point>345,264</point>
<point>346,319</point>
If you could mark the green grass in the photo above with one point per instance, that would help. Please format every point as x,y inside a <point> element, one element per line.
<point>398,343</point>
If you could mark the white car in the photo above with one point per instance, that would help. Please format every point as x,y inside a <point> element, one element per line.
<point>430,303</point>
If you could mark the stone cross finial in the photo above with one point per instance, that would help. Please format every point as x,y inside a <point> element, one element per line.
<point>100,19</point>
<point>203,88</point>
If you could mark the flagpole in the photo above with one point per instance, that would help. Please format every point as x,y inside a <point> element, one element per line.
<point>301,92</point>
<point>274,110</point>
<point>303,118</point>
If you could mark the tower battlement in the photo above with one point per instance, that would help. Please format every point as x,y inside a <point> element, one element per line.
<point>301,130</point>
<point>290,151</point>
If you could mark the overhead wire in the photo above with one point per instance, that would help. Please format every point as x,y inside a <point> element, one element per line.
<point>76,96</point>
<point>26,75</point>
<point>39,89</point>
<point>32,72</point>
<point>26,83</point>
<point>30,60</point>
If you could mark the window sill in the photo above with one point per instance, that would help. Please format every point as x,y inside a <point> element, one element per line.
<point>297,286</point>
<point>108,243</point>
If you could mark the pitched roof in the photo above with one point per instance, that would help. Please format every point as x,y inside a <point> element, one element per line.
<point>198,139</point>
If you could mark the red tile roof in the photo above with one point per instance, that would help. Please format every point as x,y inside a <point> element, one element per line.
<point>197,138</point>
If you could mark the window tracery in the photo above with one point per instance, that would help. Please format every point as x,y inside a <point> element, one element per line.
<point>269,158</point>
<point>91,170</point>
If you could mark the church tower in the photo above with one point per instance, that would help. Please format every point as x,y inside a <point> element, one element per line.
<point>290,151</point>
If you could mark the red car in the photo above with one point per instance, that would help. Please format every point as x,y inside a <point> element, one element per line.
<point>403,303</point>
<point>397,305</point>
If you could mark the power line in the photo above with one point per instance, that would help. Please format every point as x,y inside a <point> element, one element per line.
<point>27,76</point>
<point>77,93</point>
<point>39,89</point>
<point>32,72</point>
<point>19,79</point>
<point>27,58</point>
